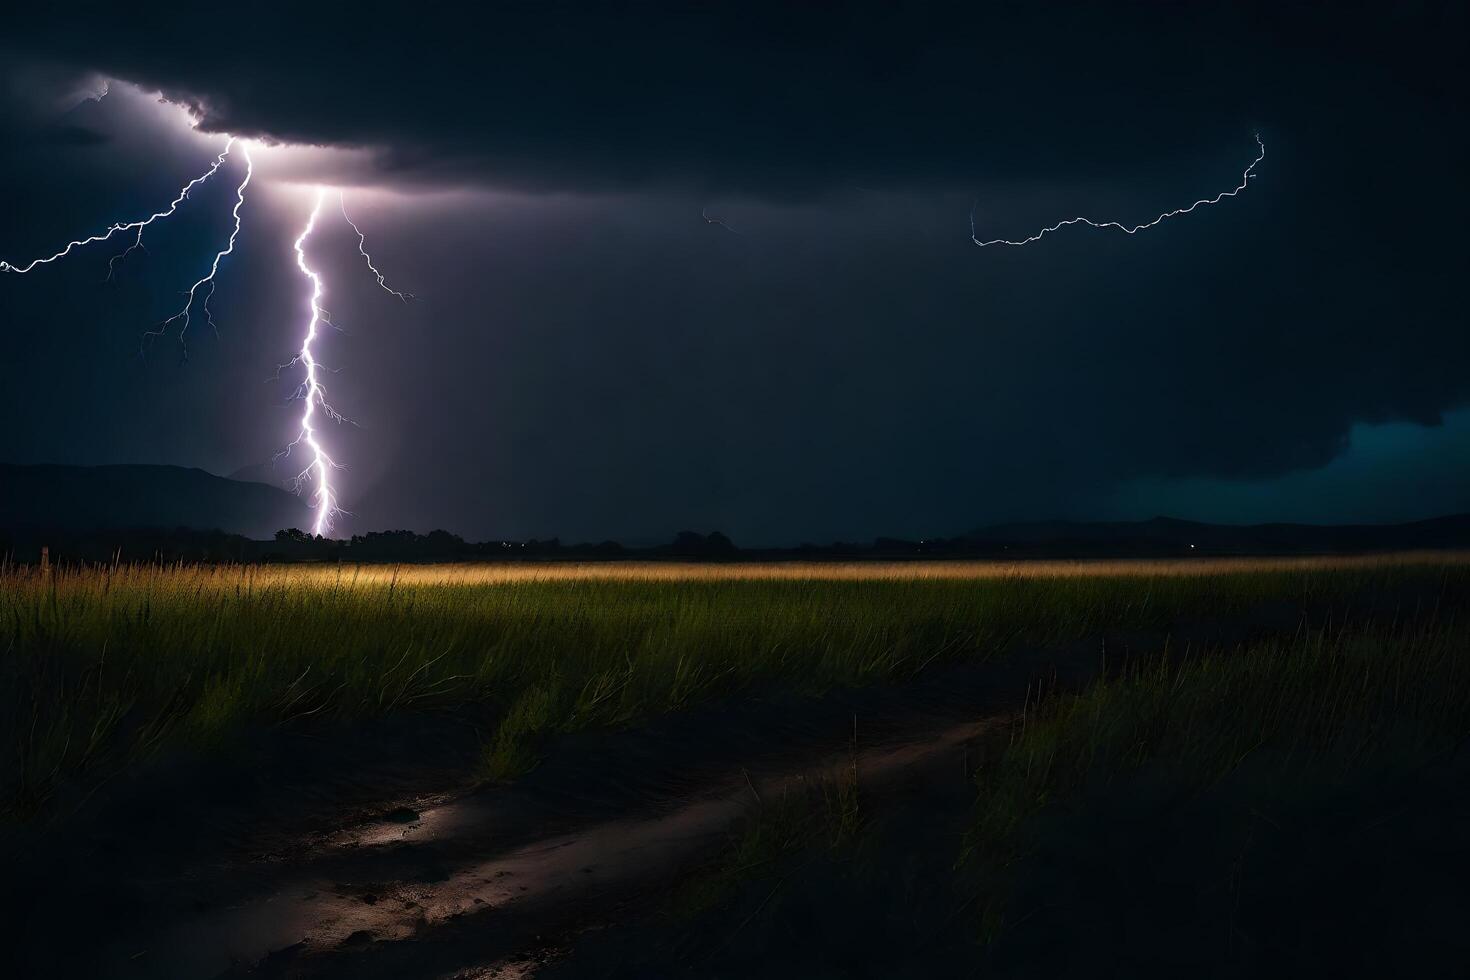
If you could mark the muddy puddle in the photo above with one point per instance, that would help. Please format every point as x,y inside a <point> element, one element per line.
<point>345,919</point>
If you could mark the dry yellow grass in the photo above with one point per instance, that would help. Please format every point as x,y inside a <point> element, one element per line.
<point>372,576</point>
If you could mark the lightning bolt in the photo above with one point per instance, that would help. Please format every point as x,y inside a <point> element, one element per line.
<point>112,262</point>
<point>310,392</point>
<point>709,220</point>
<point>127,225</point>
<point>207,280</point>
<point>362,250</point>
<point>319,469</point>
<point>1245,179</point>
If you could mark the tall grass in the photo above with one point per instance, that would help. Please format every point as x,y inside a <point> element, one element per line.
<point>1338,707</point>
<point>102,668</point>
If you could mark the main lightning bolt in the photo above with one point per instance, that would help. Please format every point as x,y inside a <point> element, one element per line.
<point>1245,179</point>
<point>319,469</point>
<point>311,393</point>
<point>128,225</point>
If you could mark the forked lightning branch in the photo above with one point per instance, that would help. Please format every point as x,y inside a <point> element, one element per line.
<point>316,476</point>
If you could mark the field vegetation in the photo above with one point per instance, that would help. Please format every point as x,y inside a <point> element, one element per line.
<point>1299,789</point>
<point>1294,804</point>
<point>103,669</point>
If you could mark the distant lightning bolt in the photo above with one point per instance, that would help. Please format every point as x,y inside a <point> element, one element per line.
<point>362,249</point>
<point>709,220</point>
<point>1245,179</point>
<point>129,225</point>
<point>319,469</point>
<point>208,279</point>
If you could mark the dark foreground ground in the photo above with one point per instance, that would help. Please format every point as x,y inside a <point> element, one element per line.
<point>1276,787</point>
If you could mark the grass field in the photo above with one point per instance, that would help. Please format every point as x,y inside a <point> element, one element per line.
<point>1316,744</point>
<point>103,669</point>
<point>1296,805</point>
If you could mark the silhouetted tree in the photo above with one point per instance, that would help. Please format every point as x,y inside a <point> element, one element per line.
<point>692,544</point>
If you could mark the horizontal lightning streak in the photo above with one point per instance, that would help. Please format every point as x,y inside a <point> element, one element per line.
<point>128,225</point>
<point>1245,179</point>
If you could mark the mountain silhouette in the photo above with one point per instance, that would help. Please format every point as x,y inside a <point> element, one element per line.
<point>87,498</point>
<point>258,473</point>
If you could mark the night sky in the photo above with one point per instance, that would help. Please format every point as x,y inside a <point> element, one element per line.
<point>589,357</point>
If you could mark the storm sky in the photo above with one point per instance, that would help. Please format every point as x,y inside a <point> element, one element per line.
<point>589,357</point>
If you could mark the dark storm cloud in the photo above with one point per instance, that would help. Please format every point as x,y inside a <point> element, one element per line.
<point>768,98</point>
<point>605,363</point>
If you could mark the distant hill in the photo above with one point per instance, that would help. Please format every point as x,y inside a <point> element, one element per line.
<point>1167,535</point>
<point>85,498</point>
<point>93,511</point>
<point>257,473</point>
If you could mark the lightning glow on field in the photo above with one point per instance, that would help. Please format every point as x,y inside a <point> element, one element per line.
<point>317,472</point>
<point>1245,179</point>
